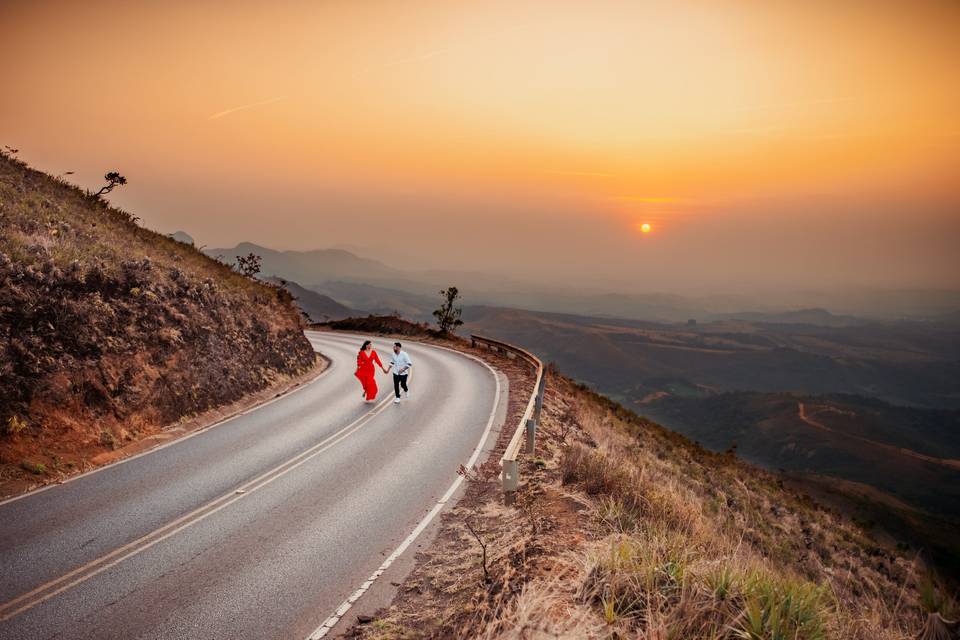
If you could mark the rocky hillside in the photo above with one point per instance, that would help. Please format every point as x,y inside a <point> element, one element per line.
<point>109,331</point>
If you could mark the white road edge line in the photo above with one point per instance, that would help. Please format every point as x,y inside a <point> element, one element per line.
<point>209,427</point>
<point>341,611</point>
<point>184,521</point>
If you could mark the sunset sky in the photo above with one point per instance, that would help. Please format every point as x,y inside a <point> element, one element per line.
<point>768,144</point>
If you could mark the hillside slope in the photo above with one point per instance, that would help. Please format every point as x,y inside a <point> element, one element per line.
<point>900,465</point>
<point>109,331</point>
<point>622,529</point>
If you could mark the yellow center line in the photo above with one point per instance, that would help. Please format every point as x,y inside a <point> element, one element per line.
<point>104,562</point>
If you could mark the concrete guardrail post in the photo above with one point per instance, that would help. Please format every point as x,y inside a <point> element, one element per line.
<point>511,475</point>
<point>531,435</point>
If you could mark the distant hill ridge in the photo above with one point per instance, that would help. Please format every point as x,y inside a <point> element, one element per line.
<point>317,307</point>
<point>309,267</point>
<point>813,316</point>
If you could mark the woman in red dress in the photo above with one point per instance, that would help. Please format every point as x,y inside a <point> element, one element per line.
<point>365,371</point>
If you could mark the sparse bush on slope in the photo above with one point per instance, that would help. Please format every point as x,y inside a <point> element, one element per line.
<point>109,331</point>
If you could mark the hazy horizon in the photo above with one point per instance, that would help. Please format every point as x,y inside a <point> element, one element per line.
<point>770,147</point>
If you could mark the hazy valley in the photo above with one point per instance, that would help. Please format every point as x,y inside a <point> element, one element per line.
<point>877,394</point>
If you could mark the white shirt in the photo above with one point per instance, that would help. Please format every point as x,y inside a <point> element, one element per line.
<point>401,363</point>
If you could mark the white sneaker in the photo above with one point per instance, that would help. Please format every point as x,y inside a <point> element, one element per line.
<point>396,400</point>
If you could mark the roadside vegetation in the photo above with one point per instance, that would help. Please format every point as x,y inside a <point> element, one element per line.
<point>448,314</point>
<point>110,332</point>
<point>622,529</point>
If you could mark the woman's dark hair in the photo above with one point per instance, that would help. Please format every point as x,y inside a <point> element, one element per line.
<point>364,346</point>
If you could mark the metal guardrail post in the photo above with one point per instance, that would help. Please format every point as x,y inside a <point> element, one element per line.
<point>539,405</point>
<point>531,435</point>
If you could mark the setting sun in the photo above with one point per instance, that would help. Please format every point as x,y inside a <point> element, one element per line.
<point>644,228</point>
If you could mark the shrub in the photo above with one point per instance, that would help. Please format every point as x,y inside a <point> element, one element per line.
<point>34,467</point>
<point>15,424</point>
<point>448,316</point>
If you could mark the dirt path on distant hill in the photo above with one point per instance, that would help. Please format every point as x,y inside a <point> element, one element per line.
<point>944,462</point>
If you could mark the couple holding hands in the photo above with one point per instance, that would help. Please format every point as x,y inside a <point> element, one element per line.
<point>400,365</point>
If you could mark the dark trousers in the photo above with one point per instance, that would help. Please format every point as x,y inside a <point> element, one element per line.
<point>399,381</point>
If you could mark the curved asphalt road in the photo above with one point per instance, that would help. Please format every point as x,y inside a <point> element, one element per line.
<point>164,545</point>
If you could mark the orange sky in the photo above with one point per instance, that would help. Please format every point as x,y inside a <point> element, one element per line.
<point>768,143</point>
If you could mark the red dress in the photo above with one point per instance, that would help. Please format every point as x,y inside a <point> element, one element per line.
<point>365,372</point>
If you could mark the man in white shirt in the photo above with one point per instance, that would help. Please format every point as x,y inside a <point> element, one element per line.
<point>400,365</point>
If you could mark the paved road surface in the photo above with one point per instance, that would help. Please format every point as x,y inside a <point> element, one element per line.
<point>257,528</point>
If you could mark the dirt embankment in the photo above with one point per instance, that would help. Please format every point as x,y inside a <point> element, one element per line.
<point>109,332</point>
<point>622,529</point>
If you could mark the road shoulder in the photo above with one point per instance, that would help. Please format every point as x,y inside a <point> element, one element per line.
<point>11,489</point>
<point>406,577</point>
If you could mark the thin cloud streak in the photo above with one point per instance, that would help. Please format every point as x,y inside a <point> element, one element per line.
<point>591,174</point>
<point>649,199</point>
<point>243,107</point>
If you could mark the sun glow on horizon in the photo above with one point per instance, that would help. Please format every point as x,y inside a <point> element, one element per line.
<point>317,124</point>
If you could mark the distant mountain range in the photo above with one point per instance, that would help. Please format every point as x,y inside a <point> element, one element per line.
<point>309,267</point>
<point>721,369</point>
<point>905,363</point>
<point>318,307</point>
<point>365,283</point>
<point>182,236</point>
<point>816,317</point>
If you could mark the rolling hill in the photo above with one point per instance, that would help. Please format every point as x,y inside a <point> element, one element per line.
<point>317,307</point>
<point>907,363</point>
<point>866,415</point>
<point>308,267</point>
<point>897,468</point>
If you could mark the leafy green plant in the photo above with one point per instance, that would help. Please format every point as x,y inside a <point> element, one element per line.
<point>776,610</point>
<point>721,583</point>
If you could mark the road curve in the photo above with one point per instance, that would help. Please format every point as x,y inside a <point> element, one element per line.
<point>258,528</point>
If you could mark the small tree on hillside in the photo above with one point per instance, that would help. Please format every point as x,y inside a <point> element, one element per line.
<point>114,179</point>
<point>248,265</point>
<point>448,316</point>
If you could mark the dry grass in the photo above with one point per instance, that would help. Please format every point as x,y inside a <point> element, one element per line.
<point>703,546</point>
<point>642,534</point>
